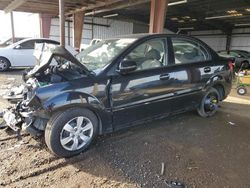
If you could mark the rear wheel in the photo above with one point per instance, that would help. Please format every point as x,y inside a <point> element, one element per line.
<point>241,90</point>
<point>71,132</point>
<point>4,64</point>
<point>209,103</point>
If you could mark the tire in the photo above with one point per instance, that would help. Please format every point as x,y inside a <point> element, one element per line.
<point>209,103</point>
<point>241,90</point>
<point>4,64</point>
<point>65,138</point>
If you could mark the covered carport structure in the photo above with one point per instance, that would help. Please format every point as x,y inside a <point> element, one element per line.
<point>182,15</point>
<point>77,10</point>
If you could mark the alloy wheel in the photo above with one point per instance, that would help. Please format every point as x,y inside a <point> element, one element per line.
<point>76,133</point>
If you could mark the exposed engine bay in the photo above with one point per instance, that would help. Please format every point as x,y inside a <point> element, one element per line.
<point>54,66</point>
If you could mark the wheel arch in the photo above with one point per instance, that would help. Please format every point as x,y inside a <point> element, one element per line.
<point>85,106</point>
<point>68,100</point>
<point>6,59</point>
<point>221,90</point>
<point>216,82</point>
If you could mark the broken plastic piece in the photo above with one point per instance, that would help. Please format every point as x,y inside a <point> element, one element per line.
<point>231,123</point>
<point>175,184</point>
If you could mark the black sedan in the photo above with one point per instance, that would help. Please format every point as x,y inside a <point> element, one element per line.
<point>115,84</point>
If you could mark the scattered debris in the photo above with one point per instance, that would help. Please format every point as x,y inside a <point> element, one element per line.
<point>231,123</point>
<point>162,168</point>
<point>192,167</point>
<point>11,79</point>
<point>175,184</point>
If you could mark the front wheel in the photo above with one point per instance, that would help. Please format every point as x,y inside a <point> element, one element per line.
<point>209,103</point>
<point>71,132</point>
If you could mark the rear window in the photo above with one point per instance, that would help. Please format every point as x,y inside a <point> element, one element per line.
<point>187,51</point>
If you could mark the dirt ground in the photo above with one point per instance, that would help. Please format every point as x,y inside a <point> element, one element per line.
<point>200,152</point>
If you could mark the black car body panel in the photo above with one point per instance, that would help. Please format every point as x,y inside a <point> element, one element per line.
<point>120,101</point>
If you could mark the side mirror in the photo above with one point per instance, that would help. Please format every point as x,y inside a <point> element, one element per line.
<point>127,66</point>
<point>18,47</point>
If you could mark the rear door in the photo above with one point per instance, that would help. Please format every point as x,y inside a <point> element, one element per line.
<point>145,92</point>
<point>193,63</point>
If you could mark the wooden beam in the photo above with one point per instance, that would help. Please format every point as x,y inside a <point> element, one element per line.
<point>122,5</point>
<point>45,22</point>
<point>108,5</point>
<point>62,22</point>
<point>13,5</point>
<point>157,15</point>
<point>78,20</point>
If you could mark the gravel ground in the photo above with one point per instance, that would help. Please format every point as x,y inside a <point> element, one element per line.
<point>200,152</point>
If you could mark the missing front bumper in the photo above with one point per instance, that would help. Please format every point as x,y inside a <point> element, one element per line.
<point>11,119</point>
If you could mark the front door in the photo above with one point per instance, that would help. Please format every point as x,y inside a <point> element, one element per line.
<point>23,54</point>
<point>145,92</point>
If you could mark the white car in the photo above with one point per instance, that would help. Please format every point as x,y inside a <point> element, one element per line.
<point>20,54</point>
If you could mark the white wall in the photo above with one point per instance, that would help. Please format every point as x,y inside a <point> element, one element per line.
<point>217,41</point>
<point>214,38</point>
<point>144,28</point>
<point>90,31</point>
<point>241,41</point>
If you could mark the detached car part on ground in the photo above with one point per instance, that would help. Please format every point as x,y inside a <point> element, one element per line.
<point>115,84</point>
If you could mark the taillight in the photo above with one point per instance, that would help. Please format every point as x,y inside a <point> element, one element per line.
<point>231,65</point>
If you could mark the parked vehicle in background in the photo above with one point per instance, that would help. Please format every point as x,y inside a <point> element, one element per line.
<point>240,57</point>
<point>92,42</point>
<point>142,77</point>
<point>8,41</point>
<point>20,54</point>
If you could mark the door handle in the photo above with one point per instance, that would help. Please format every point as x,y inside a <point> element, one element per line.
<point>207,69</point>
<point>164,77</point>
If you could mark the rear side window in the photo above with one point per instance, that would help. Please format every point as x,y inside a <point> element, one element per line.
<point>187,51</point>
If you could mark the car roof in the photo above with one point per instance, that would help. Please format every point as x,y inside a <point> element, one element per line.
<point>144,35</point>
<point>47,39</point>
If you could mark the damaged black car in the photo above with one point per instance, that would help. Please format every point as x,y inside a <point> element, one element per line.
<point>115,84</point>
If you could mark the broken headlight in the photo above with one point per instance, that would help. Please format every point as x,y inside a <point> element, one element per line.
<point>34,102</point>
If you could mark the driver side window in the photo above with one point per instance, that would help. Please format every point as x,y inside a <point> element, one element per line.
<point>148,55</point>
<point>28,45</point>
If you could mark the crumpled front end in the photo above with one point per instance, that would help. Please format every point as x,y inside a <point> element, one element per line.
<point>27,114</point>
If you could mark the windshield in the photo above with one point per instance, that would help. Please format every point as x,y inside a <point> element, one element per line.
<point>98,56</point>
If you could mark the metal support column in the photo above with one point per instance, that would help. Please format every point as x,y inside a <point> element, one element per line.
<point>12,27</point>
<point>62,22</point>
<point>68,33</point>
<point>157,15</point>
<point>228,43</point>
